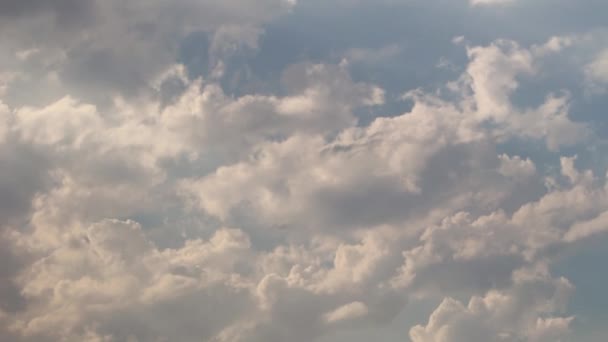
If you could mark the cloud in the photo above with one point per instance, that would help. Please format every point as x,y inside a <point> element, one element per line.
<point>464,251</point>
<point>391,169</point>
<point>186,212</point>
<point>346,312</point>
<point>116,48</point>
<point>589,228</point>
<point>115,278</point>
<point>511,316</point>
<point>516,167</point>
<point>490,2</point>
<point>66,9</point>
<point>596,72</point>
<point>105,164</point>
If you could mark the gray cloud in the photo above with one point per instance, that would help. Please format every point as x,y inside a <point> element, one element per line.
<point>63,9</point>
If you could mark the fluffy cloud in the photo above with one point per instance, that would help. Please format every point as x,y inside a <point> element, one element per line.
<point>596,72</point>
<point>502,316</point>
<point>184,212</point>
<point>114,277</point>
<point>118,164</point>
<point>100,48</point>
<point>465,251</point>
<point>394,167</point>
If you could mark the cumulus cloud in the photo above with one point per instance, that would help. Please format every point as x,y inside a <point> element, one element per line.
<point>502,316</point>
<point>115,47</point>
<point>186,213</point>
<point>114,277</point>
<point>596,72</point>
<point>392,168</point>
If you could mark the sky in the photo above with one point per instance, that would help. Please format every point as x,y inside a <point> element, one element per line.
<point>303,170</point>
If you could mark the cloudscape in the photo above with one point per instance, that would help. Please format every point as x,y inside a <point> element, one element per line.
<point>303,170</point>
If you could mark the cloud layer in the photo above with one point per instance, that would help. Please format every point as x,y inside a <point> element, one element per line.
<point>146,198</point>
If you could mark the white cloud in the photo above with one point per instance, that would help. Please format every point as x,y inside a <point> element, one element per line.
<point>514,315</point>
<point>588,228</point>
<point>114,277</point>
<point>365,173</point>
<point>516,167</point>
<point>4,121</point>
<point>596,72</point>
<point>337,225</point>
<point>63,122</point>
<point>347,312</point>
